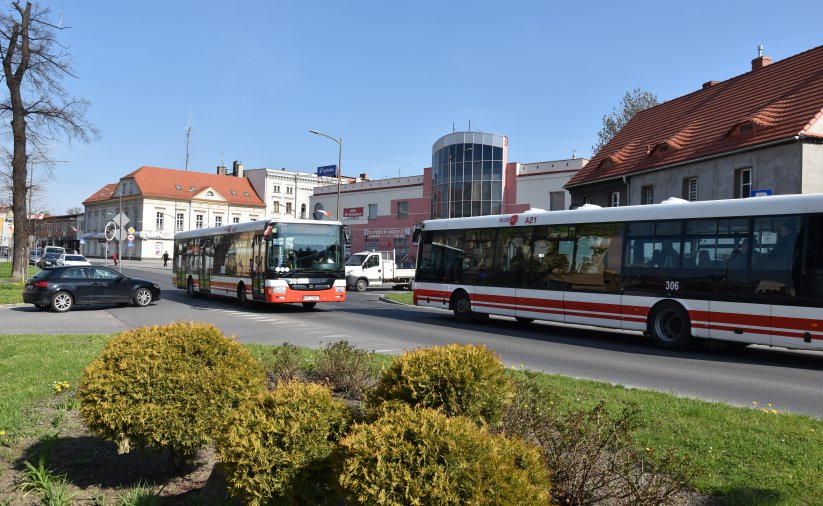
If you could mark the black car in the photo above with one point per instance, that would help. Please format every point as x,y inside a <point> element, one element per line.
<point>51,259</point>
<point>60,288</point>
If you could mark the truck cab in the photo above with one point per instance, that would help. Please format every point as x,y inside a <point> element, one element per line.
<point>376,268</point>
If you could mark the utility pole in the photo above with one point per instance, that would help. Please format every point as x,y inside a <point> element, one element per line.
<point>188,142</point>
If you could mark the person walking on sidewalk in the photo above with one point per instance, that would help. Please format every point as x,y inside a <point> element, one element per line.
<point>115,258</point>
<point>165,258</point>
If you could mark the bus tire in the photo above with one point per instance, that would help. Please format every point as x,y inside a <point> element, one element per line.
<point>361,285</point>
<point>190,288</point>
<point>309,305</point>
<point>241,295</point>
<point>462,307</point>
<point>670,326</point>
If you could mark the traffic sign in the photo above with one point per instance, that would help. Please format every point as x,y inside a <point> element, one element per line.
<point>110,232</point>
<point>765,192</point>
<point>121,220</point>
<point>130,238</point>
<point>130,245</point>
<point>131,231</point>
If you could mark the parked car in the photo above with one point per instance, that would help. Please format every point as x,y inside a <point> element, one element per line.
<point>54,249</point>
<point>75,260</point>
<point>51,260</point>
<point>60,288</point>
<point>34,256</point>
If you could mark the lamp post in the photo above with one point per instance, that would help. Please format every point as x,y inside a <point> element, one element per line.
<point>339,163</point>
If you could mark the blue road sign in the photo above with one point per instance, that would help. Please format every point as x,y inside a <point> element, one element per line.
<point>327,170</point>
<point>130,244</point>
<point>765,192</point>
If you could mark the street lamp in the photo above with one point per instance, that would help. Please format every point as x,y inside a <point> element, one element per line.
<point>339,163</point>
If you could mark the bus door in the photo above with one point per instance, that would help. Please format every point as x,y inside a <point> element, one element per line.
<point>258,277</point>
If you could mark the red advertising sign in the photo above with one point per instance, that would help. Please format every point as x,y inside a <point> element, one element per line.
<point>353,212</point>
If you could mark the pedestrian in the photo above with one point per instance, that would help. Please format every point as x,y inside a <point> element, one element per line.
<point>165,258</point>
<point>114,257</point>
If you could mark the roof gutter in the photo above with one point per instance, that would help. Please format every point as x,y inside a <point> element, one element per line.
<point>623,177</point>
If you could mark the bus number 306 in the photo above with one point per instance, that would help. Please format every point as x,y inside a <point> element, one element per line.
<point>672,286</point>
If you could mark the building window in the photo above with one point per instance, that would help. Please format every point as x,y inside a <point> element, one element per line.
<point>557,201</point>
<point>647,194</point>
<point>289,190</point>
<point>235,219</point>
<point>210,193</point>
<point>743,183</point>
<point>253,218</point>
<point>198,221</point>
<point>218,221</point>
<point>277,208</point>
<point>302,211</point>
<point>402,209</point>
<point>615,201</point>
<point>158,223</point>
<point>372,211</point>
<point>587,199</point>
<point>288,208</point>
<point>178,225</point>
<point>277,188</point>
<point>690,189</point>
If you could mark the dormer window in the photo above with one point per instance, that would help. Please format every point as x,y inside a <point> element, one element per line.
<point>178,187</point>
<point>210,193</point>
<point>192,188</point>
<point>233,192</point>
<point>746,128</point>
<point>246,194</point>
<point>605,163</point>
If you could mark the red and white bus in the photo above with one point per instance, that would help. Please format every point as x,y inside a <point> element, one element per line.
<point>744,270</point>
<point>276,261</point>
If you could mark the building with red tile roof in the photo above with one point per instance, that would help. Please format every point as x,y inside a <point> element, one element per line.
<point>761,130</point>
<point>158,202</point>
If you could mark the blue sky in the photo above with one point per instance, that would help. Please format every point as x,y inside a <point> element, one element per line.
<point>390,78</point>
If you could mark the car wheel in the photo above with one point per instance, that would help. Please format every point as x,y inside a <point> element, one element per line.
<point>309,305</point>
<point>142,297</point>
<point>462,308</point>
<point>670,326</point>
<point>61,302</point>
<point>361,285</point>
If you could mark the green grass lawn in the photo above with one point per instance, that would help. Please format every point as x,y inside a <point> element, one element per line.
<point>11,292</point>
<point>746,455</point>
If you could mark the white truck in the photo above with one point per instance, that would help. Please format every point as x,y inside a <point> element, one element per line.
<point>377,268</point>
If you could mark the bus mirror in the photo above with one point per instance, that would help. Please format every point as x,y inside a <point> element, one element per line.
<point>347,234</point>
<point>416,236</point>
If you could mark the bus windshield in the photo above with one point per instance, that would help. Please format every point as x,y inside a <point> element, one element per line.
<point>299,247</point>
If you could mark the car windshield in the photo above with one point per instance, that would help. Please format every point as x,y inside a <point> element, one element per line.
<point>76,258</point>
<point>299,247</point>
<point>52,255</point>
<point>356,260</point>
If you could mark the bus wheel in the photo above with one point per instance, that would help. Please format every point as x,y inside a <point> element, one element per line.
<point>361,285</point>
<point>670,326</point>
<point>462,308</point>
<point>523,319</point>
<point>190,288</point>
<point>309,305</point>
<point>241,295</point>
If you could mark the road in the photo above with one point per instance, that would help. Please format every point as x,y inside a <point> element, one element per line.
<point>791,381</point>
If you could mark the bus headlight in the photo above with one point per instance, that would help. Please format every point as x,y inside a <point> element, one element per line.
<point>339,289</point>
<point>277,289</point>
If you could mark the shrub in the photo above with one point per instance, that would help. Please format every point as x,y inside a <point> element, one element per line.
<point>284,363</point>
<point>593,453</point>
<point>166,387</point>
<point>421,456</point>
<point>277,446</point>
<point>465,380</point>
<point>346,369</point>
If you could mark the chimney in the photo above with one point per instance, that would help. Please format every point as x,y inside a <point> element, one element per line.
<point>709,84</point>
<point>221,170</point>
<point>237,169</point>
<point>761,61</point>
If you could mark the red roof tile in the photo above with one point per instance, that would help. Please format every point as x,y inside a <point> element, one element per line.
<point>779,101</point>
<point>158,182</point>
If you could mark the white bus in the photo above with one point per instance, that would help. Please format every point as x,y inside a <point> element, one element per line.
<point>274,261</point>
<point>744,270</point>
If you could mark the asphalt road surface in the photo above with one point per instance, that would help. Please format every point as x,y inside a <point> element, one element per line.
<point>790,380</point>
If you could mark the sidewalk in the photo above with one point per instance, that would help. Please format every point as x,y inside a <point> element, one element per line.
<point>151,263</point>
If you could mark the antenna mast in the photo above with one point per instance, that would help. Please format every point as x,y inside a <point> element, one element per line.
<point>188,142</point>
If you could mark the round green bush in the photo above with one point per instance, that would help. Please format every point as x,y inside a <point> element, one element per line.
<point>464,380</point>
<point>276,447</point>
<point>167,387</point>
<point>421,456</point>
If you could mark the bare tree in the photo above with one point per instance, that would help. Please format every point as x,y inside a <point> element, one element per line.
<point>74,210</point>
<point>633,102</point>
<point>34,63</point>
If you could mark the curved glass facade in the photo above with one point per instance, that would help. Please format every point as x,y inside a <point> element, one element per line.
<point>467,174</point>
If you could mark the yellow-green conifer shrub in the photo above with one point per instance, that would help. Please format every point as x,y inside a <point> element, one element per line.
<point>167,387</point>
<point>276,448</point>
<point>421,456</point>
<point>465,380</point>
